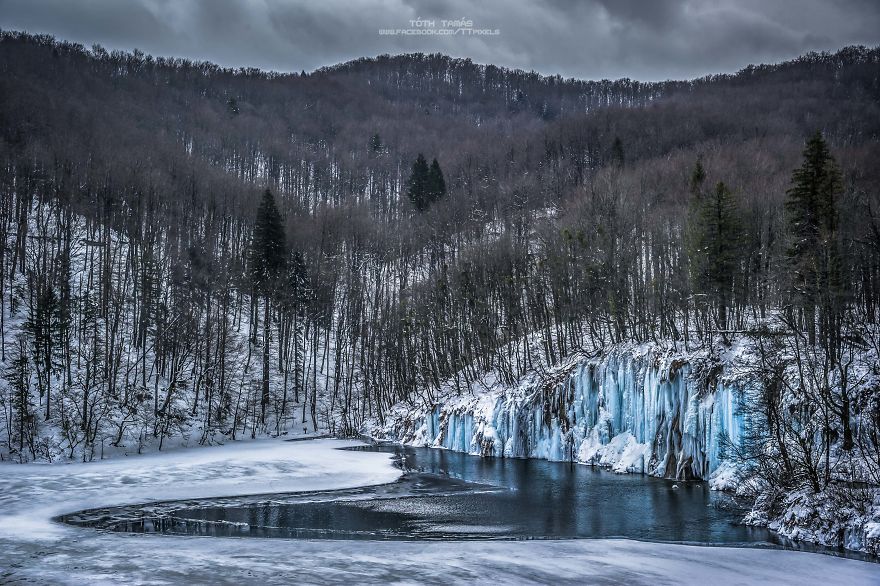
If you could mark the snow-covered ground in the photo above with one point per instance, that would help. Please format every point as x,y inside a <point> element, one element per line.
<point>34,493</point>
<point>33,549</point>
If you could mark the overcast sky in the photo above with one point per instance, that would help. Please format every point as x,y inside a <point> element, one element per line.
<point>590,39</point>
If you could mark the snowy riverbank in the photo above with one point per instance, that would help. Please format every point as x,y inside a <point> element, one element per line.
<point>34,549</point>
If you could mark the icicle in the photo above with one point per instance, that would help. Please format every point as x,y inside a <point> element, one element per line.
<point>626,411</point>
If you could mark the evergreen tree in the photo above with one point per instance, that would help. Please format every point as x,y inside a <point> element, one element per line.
<point>376,145</point>
<point>44,324</point>
<point>419,183</point>
<point>714,236</point>
<point>436,183</point>
<point>267,263</point>
<point>698,177</point>
<point>268,254</point>
<point>815,279</point>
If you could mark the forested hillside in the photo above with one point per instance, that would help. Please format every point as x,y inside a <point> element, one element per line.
<point>144,297</point>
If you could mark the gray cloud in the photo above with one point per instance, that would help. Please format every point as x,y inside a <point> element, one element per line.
<point>649,40</point>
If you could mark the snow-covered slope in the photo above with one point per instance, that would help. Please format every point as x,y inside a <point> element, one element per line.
<point>142,399</point>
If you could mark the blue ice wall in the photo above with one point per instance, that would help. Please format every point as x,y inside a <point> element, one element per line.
<point>629,412</point>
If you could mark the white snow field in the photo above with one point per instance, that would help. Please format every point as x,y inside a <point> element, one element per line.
<point>36,550</point>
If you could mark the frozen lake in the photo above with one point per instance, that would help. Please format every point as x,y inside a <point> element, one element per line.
<point>449,495</point>
<point>35,549</point>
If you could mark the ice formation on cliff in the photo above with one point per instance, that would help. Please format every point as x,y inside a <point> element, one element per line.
<point>630,411</point>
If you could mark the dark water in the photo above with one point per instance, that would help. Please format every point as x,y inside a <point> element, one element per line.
<point>447,495</point>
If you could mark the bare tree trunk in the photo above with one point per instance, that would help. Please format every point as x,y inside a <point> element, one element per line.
<point>265,398</point>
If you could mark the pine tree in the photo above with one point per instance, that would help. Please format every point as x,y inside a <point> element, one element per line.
<point>268,254</point>
<point>267,263</point>
<point>436,183</point>
<point>698,177</point>
<point>714,235</point>
<point>814,262</point>
<point>418,185</point>
<point>376,145</point>
<point>43,324</point>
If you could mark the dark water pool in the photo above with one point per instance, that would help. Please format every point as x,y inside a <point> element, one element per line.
<point>448,495</point>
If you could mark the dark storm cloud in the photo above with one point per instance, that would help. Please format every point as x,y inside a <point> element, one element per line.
<point>650,39</point>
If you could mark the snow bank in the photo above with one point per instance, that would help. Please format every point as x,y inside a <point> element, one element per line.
<point>113,559</point>
<point>34,493</point>
<point>837,516</point>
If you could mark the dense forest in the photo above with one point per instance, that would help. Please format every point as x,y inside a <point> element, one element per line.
<point>191,250</point>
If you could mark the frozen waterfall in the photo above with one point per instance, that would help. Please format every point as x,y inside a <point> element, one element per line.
<point>631,412</point>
